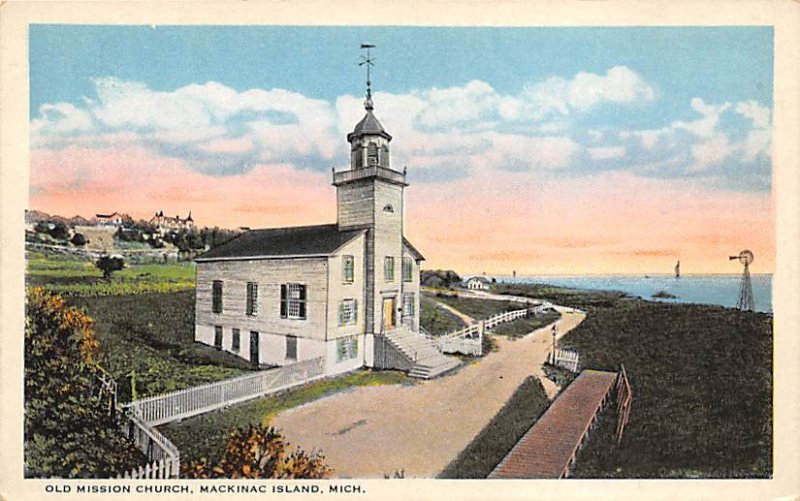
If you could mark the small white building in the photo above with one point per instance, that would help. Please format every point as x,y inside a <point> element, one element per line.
<point>478,283</point>
<point>348,292</point>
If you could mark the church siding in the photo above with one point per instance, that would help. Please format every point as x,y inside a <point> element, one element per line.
<point>340,290</point>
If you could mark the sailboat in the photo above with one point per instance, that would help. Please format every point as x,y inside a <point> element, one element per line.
<point>678,270</point>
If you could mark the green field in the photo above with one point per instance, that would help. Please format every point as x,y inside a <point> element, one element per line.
<point>204,436</point>
<point>523,326</point>
<point>70,275</point>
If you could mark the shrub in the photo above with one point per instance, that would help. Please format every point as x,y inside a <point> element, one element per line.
<point>259,451</point>
<point>78,239</point>
<point>109,264</point>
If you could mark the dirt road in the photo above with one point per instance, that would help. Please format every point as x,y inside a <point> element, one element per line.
<point>369,431</point>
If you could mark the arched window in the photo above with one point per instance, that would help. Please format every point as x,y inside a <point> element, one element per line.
<point>372,154</point>
<point>388,208</point>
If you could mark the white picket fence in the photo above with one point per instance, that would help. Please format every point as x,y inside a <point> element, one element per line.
<point>469,340</point>
<point>163,456</point>
<point>566,359</point>
<point>199,399</point>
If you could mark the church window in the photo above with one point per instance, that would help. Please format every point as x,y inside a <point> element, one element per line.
<point>293,301</point>
<point>218,337</point>
<point>348,312</point>
<point>409,304</point>
<point>236,342</point>
<point>252,299</point>
<point>407,270</point>
<point>388,268</point>
<point>291,347</point>
<point>388,208</point>
<point>216,296</point>
<point>372,154</point>
<point>346,348</point>
<point>385,156</point>
<point>348,269</point>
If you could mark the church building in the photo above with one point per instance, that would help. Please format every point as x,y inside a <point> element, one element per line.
<point>348,292</point>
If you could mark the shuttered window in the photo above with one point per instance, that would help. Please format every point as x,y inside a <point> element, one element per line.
<point>236,342</point>
<point>216,296</point>
<point>409,304</point>
<point>252,299</point>
<point>407,270</point>
<point>348,312</point>
<point>372,154</point>
<point>388,268</point>
<point>293,301</point>
<point>346,348</point>
<point>348,269</point>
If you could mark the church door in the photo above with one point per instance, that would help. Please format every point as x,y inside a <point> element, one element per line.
<point>388,313</point>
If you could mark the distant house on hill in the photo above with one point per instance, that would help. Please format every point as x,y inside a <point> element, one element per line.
<point>478,283</point>
<point>347,292</point>
<point>113,219</point>
<point>166,224</point>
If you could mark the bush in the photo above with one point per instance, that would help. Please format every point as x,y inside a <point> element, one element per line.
<point>78,239</point>
<point>109,264</point>
<point>69,429</point>
<point>259,451</point>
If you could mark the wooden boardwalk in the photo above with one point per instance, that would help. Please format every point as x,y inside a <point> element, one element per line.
<point>549,447</point>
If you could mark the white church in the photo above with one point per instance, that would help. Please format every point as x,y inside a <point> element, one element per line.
<point>348,292</point>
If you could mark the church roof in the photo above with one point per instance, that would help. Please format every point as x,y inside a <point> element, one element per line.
<point>369,125</point>
<point>414,252</point>
<point>320,240</point>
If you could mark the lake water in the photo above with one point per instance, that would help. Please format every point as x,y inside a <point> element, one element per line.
<point>707,289</point>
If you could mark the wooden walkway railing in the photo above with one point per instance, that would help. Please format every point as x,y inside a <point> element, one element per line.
<point>550,447</point>
<point>181,404</point>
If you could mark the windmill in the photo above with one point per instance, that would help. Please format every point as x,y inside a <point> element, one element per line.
<point>746,302</point>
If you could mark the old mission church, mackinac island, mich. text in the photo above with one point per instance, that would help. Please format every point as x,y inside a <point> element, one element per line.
<point>346,294</point>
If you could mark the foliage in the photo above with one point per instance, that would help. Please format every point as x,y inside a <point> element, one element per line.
<point>204,436</point>
<point>109,264</point>
<point>505,429</point>
<point>702,384</point>
<point>259,451</point>
<point>69,431</point>
<point>446,278</point>
<point>575,298</point>
<point>436,320</point>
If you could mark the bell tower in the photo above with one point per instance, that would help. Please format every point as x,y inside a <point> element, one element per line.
<point>369,195</point>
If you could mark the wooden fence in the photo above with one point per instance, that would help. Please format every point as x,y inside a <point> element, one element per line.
<point>199,399</point>
<point>566,359</point>
<point>469,340</point>
<point>164,458</point>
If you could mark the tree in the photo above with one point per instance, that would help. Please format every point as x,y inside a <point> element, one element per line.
<point>69,431</point>
<point>59,231</point>
<point>78,239</point>
<point>109,264</point>
<point>259,451</point>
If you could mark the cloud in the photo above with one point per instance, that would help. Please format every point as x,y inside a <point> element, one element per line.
<point>606,153</point>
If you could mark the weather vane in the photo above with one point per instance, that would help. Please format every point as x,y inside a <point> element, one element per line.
<point>368,61</point>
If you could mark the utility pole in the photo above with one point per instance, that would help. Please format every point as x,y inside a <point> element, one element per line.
<point>555,331</point>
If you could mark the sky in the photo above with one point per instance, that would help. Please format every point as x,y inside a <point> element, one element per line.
<point>535,150</point>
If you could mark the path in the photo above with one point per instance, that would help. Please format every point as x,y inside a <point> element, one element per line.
<point>369,431</point>
<point>463,316</point>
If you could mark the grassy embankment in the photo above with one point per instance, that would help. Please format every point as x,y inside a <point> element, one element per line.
<point>480,457</point>
<point>204,436</point>
<point>702,383</point>
<point>151,333</point>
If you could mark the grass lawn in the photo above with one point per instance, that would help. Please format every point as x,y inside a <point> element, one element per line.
<point>522,326</point>
<point>437,320</point>
<point>575,298</point>
<point>204,436</point>
<point>491,445</point>
<point>477,308</point>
